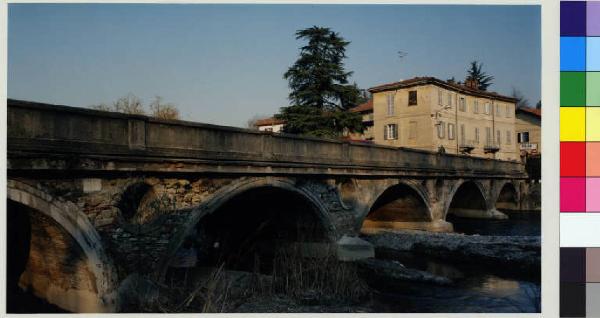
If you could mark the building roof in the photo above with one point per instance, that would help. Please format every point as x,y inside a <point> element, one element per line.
<point>531,111</point>
<point>368,106</point>
<point>269,121</point>
<point>432,80</point>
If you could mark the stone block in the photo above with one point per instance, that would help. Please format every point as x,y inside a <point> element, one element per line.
<point>91,185</point>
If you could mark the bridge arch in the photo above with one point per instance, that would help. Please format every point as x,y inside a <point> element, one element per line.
<point>82,278</point>
<point>246,194</point>
<point>401,203</point>
<point>507,197</point>
<point>467,198</point>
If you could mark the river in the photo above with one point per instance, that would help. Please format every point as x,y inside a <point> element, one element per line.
<point>475,289</point>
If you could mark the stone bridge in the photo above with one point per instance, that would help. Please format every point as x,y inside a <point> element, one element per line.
<point>95,197</point>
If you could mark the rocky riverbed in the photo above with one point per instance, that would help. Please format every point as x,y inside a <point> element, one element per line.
<point>519,253</point>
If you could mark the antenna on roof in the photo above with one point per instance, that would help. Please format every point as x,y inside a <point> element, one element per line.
<point>401,55</point>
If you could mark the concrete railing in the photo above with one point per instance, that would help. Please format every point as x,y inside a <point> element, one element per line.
<point>43,128</point>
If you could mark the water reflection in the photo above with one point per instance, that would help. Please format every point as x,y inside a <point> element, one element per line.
<point>475,289</point>
<point>518,224</point>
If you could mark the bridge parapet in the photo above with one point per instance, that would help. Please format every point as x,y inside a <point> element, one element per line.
<point>36,128</point>
<point>62,130</point>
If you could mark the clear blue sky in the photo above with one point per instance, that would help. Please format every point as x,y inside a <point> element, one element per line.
<point>224,63</point>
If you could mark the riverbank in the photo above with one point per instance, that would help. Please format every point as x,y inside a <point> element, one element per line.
<point>412,272</point>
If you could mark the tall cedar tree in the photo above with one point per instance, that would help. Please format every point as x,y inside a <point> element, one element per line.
<point>475,72</point>
<point>320,94</point>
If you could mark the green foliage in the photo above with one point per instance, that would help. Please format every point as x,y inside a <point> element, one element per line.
<point>320,93</point>
<point>311,121</point>
<point>475,72</point>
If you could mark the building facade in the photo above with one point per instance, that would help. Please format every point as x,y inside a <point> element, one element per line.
<point>366,111</point>
<point>430,114</point>
<point>270,124</point>
<point>528,126</point>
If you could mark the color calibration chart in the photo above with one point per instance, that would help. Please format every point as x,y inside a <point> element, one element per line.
<point>580,159</point>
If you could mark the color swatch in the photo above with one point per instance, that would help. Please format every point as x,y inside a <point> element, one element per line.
<point>580,282</point>
<point>580,107</point>
<point>579,158</point>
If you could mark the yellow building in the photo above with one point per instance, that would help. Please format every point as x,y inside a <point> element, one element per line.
<point>366,111</point>
<point>529,131</point>
<point>430,114</point>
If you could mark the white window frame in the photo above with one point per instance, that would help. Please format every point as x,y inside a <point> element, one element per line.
<point>390,132</point>
<point>477,135</point>
<point>462,104</point>
<point>450,99</point>
<point>488,135</point>
<point>487,108</point>
<point>521,135</point>
<point>475,107</point>
<point>497,110</point>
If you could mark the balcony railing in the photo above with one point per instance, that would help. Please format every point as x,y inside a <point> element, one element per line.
<point>466,146</point>
<point>491,147</point>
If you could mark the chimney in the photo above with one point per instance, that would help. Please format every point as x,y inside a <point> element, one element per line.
<point>471,83</point>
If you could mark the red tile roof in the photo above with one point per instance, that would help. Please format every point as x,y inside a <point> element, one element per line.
<point>432,80</point>
<point>363,107</point>
<point>269,122</point>
<point>532,111</point>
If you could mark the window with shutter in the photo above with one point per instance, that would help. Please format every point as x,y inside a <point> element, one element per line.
<point>441,129</point>
<point>412,130</point>
<point>412,98</point>
<point>390,104</point>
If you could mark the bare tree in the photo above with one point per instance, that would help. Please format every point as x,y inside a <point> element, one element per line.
<point>163,110</point>
<point>129,104</point>
<point>102,107</point>
<point>522,102</point>
<point>251,123</point>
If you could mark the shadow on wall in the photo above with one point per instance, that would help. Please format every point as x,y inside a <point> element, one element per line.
<point>46,269</point>
<point>246,232</point>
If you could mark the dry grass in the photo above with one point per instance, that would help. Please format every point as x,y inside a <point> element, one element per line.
<point>316,279</point>
<point>307,281</point>
<point>210,295</point>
